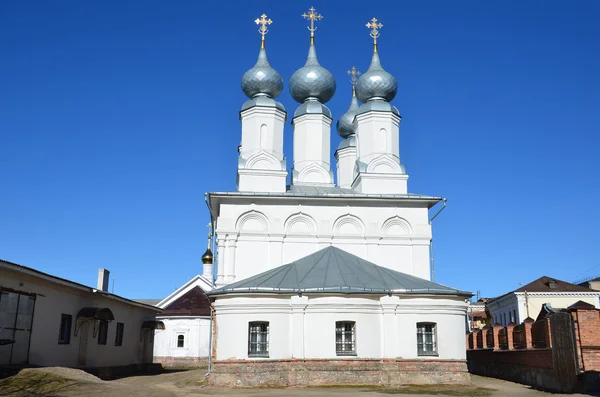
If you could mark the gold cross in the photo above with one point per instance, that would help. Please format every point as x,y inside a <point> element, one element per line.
<point>353,75</point>
<point>263,22</point>
<point>374,26</point>
<point>312,16</point>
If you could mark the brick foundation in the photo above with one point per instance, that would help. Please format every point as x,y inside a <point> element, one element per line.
<point>257,373</point>
<point>181,362</point>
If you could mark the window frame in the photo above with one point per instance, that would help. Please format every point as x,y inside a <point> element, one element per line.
<point>262,339</point>
<point>344,334</point>
<point>422,343</point>
<point>119,334</point>
<point>69,327</point>
<point>102,332</point>
<point>182,338</point>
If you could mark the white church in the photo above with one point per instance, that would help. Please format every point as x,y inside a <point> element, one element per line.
<point>316,282</point>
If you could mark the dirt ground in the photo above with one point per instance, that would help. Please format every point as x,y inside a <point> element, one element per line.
<point>65,382</point>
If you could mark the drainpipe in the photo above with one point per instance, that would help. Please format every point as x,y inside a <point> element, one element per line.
<point>431,245</point>
<point>214,233</point>
<point>210,340</point>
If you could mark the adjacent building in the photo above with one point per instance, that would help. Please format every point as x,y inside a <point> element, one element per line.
<point>528,300</point>
<point>50,321</point>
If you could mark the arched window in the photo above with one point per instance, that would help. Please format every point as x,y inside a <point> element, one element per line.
<point>180,340</point>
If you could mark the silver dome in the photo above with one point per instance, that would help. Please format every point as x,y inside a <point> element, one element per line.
<point>312,80</point>
<point>262,79</point>
<point>376,82</point>
<point>345,125</point>
<point>346,143</point>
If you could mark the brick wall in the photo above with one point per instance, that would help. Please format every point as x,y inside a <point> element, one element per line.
<point>181,362</point>
<point>559,353</point>
<point>255,373</point>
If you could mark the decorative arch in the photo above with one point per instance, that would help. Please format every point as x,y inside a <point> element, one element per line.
<point>300,223</point>
<point>348,225</point>
<point>384,164</point>
<point>263,160</point>
<point>252,221</point>
<point>396,227</point>
<point>314,173</point>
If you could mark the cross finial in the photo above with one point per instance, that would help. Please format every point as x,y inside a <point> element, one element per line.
<point>353,75</point>
<point>312,16</point>
<point>374,25</point>
<point>263,22</point>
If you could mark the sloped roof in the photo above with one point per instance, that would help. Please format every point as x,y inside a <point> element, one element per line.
<point>332,270</point>
<point>544,284</point>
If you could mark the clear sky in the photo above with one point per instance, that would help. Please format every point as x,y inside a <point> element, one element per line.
<point>117,116</point>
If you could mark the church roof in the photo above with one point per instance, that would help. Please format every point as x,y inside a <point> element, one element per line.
<point>332,270</point>
<point>330,192</point>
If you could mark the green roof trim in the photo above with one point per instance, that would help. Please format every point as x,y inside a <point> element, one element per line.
<point>332,270</point>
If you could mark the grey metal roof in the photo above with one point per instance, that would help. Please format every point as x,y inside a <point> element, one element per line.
<point>326,191</point>
<point>151,302</point>
<point>332,270</point>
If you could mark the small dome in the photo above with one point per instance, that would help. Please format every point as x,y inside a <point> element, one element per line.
<point>312,80</point>
<point>345,125</point>
<point>262,79</point>
<point>376,82</point>
<point>207,257</point>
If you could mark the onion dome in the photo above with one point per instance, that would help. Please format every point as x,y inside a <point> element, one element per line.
<point>262,79</point>
<point>312,80</point>
<point>376,83</point>
<point>207,257</point>
<point>345,125</point>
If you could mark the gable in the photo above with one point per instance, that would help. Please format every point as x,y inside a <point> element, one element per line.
<point>195,302</point>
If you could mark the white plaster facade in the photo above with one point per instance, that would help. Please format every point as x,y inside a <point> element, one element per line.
<point>194,330</point>
<point>303,327</point>
<point>390,232</point>
<point>55,297</point>
<point>517,306</point>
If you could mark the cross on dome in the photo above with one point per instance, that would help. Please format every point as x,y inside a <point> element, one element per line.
<point>263,30</point>
<point>374,25</point>
<point>312,16</point>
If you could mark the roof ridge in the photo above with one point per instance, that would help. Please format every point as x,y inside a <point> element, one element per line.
<point>313,266</point>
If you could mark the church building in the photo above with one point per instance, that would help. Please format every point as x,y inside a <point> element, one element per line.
<point>319,282</point>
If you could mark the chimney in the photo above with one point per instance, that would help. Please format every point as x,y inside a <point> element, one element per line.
<point>103,275</point>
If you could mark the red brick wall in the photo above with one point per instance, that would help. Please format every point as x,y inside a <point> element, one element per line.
<point>253,373</point>
<point>181,362</point>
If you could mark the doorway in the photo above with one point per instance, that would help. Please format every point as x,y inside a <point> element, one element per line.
<point>16,319</point>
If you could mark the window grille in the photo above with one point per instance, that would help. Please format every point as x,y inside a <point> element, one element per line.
<point>64,334</point>
<point>426,339</point>
<point>258,339</point>
<point>345,338</point>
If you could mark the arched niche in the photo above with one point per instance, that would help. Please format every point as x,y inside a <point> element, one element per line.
<point>252,221</point>
<point>348,225</point>
<point>300,224</point>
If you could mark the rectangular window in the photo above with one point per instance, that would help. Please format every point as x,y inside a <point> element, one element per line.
<point>426,339</point>
<point>64,333</point>
<point>119,334</point>
<point>515,316</point>
<point>504,317</point>
<point>345,338</point>
<point>180,340</point>
<point>258,339</point>
<point>102,332</point>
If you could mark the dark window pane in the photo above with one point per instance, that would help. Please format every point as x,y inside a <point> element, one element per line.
<point>64,333</point>
<point>345,341</point>
<point>258,339</point>
<point>102,332</point>
<point>119,334</point>
<point>180,340</point>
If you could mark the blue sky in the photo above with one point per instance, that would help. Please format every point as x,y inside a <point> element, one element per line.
<point>117,116</point>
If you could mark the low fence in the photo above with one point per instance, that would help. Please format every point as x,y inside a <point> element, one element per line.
<point>559,353</point>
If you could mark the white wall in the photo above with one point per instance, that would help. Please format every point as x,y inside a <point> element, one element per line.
<point>304,327</point>
<point>534,301</point>
<point>53,300</point>
<point>389,235</point>
<point>196,332</point>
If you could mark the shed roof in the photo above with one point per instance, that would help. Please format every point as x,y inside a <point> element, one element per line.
<point>332,270</point>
